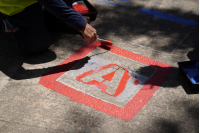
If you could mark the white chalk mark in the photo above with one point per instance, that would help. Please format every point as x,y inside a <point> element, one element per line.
<point>183,40</point>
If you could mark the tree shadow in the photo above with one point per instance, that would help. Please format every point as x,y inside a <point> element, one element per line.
<point>193,55</point>
<point>174,79</point>
<point>190,111</point>
<point>84,119</point>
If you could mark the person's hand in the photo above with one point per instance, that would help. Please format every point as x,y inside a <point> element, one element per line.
<point>89,34</point>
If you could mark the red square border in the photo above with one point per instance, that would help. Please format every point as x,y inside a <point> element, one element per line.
<point>132,107</point>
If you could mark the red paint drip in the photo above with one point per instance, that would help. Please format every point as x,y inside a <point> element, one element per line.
<point>136,82</point>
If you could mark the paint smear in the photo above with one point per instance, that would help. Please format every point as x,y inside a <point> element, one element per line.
<point>136,82</point>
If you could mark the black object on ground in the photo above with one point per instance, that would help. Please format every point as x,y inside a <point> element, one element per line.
<point>92,11</point>
<point>190,70</point>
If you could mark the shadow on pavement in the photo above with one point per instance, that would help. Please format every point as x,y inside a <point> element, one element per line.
<point>193,55</point>
<point>85,120</point>
<point>174,79</point>
<point>180,123</point>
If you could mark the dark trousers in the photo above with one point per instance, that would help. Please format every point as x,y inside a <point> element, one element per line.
<point>32,36</point>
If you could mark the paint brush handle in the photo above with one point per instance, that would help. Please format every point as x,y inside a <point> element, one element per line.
<point>98,39</point>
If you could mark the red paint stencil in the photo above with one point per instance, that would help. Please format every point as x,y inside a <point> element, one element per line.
<point>109,77</point>
<point>132,107</point>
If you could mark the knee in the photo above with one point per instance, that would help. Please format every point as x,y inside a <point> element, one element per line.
<point>28,44</point>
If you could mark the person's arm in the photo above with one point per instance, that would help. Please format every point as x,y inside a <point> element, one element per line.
<point>73,18</point>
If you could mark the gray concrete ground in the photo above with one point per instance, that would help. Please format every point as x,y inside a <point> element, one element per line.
<point>27,106</point>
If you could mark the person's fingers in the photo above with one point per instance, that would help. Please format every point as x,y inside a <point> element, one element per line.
<point>90,39</point>
<point>89,34</point>
<point>87,39</point>
<point>94,37</point>
<point>93,40</point>
<point>92,33</point>
<point>82,38</point>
